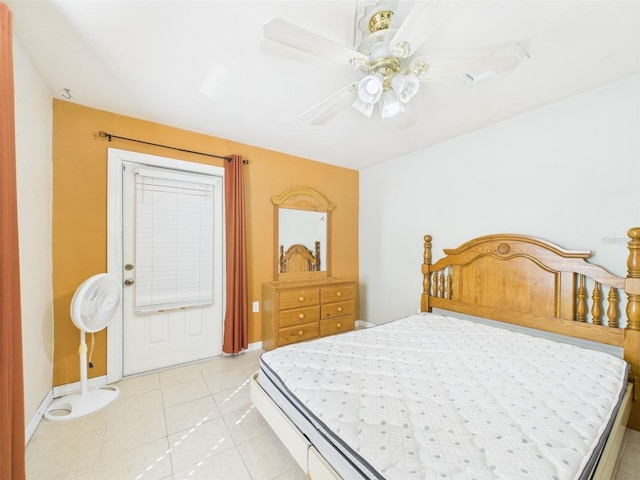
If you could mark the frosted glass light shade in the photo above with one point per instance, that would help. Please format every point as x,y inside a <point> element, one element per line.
<point>370,89</point>
<point>390,106</point>
<point>364,108</point>
<point>405,86</point>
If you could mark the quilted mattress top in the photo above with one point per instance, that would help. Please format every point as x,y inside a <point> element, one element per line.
<point>431,396</point>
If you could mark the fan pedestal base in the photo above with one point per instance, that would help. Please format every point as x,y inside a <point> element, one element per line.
<point>80,404</point>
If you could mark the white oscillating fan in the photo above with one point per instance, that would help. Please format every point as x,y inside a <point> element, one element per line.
<point>93,306</point>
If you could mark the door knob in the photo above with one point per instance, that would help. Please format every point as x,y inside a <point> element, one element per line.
<point>129,281</point>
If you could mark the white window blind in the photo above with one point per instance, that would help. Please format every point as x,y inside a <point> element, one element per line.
<point>174,239</point>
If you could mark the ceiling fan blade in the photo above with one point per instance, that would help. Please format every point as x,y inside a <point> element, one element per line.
<point>420,23</point>
<point>473,66</point>
<point>287,33</point>
<point>320,113</point>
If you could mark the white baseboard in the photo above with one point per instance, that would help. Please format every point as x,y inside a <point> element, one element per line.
<point>76,387</point>
<point>250,347</point>
<point>37,417</point>
<point>56,392</point>
<point>363,324</point>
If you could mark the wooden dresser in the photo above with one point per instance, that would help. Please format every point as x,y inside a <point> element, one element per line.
<point>296,311</point>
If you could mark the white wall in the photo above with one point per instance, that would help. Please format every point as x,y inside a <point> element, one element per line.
<point>34,120</point>
<point>568,173</point>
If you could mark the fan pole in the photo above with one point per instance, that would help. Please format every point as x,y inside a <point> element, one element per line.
<point>82,350</point>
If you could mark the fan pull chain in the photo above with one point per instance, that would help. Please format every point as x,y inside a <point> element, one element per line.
<point>93,344</point>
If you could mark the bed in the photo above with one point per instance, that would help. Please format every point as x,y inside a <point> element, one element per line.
<point>440,395</point>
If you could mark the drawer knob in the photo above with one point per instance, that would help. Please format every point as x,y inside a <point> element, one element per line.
<point>300,332</point>
<point>301,299</point>
<point>339,325</point>
<point>301,316</point>
<point>339,294</point>
<point>339,309</point>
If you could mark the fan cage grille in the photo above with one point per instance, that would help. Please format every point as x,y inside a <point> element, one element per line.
<point>96,302</point>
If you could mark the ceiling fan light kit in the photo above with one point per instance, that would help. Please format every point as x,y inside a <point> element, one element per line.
<point>386,82</point>
<point>386,55</point>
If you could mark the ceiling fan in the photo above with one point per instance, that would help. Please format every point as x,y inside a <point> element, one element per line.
<point>386,56</point>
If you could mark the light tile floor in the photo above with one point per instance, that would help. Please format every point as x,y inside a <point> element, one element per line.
<point>190,422</point>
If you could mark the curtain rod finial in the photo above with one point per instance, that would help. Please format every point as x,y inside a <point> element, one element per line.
<point>102,133</point>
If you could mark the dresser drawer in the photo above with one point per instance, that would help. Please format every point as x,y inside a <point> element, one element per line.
<point>336,294</point>
<point>337,309</point>
<point>299,316</point>
<point>298,333</point>
<point>337,325</point>
<point>294,311</point>
<point>299,298</point>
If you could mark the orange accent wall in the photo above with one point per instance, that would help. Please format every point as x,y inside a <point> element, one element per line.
<point>80,210</point>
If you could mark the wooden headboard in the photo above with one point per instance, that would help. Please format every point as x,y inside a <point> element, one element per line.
<point>534,283</point>
<point>299,258</point>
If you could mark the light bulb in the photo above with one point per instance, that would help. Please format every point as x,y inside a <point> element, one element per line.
<point>370,89</point>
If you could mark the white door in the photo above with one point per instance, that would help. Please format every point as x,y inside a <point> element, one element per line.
<point>173,295</point>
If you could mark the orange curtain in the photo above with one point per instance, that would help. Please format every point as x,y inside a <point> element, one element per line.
<point>236,316</point>
<point>12,434</point>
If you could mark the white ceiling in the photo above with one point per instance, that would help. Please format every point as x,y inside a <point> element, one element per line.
<point>205,66</point>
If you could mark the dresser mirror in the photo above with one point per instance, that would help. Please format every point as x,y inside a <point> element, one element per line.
<point>302,235</point>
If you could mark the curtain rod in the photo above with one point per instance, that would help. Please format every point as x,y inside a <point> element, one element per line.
<point>102,133</point>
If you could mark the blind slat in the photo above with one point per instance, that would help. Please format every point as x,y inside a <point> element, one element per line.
<point>174,239</point>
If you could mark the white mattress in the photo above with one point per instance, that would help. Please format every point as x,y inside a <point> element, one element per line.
<point>431,396</point>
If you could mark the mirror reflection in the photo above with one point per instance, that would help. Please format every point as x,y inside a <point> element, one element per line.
<point>302,247</point>
<point>302,236</point>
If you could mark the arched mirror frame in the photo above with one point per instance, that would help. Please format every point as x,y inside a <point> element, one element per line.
<point>302,198</point>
